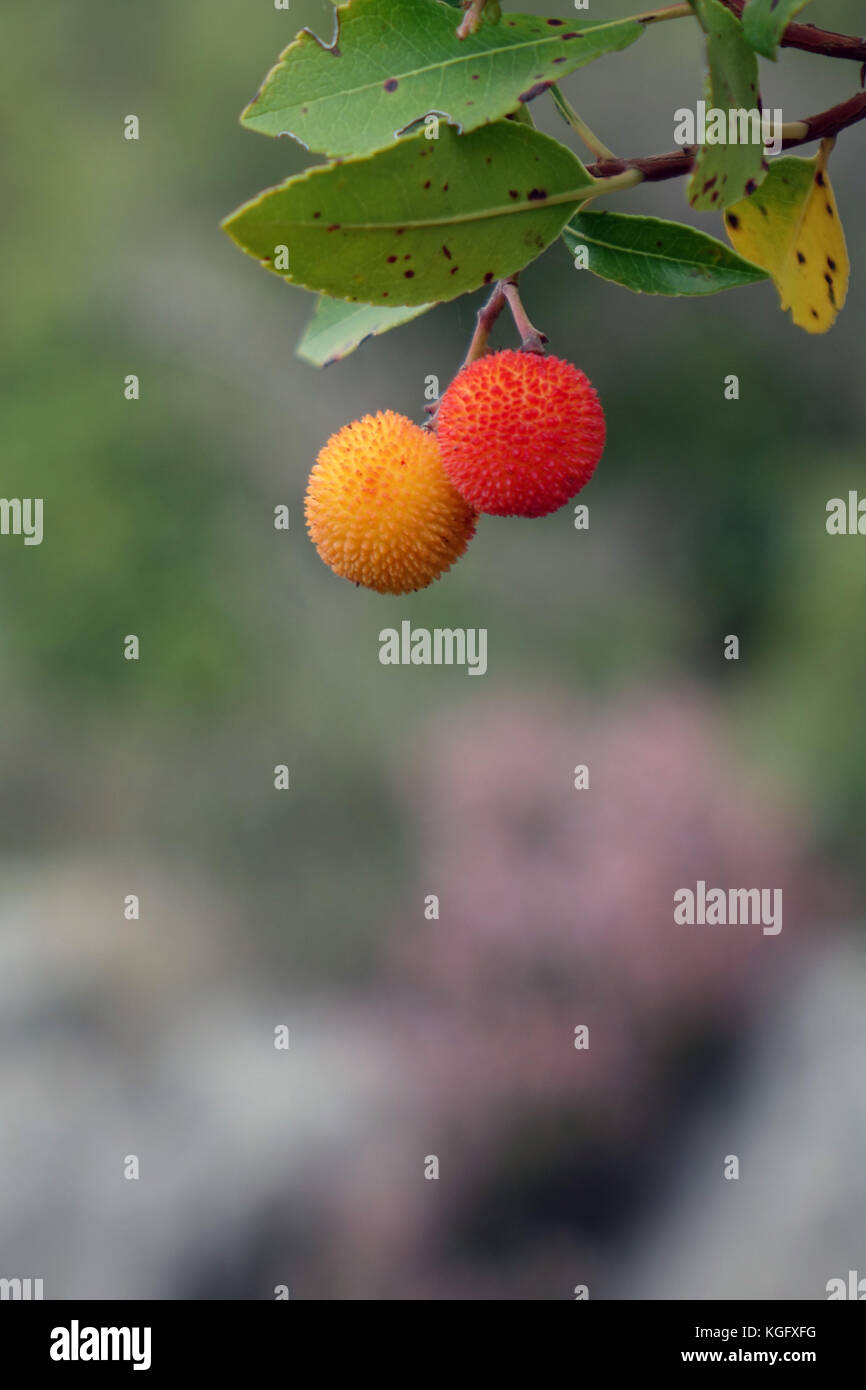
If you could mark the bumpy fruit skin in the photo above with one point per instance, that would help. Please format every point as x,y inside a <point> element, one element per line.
<point>520,434</point>
<point>380,509</point>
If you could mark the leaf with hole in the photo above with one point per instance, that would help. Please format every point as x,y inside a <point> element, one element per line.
<point>394,61</point>
<point>422,221</point>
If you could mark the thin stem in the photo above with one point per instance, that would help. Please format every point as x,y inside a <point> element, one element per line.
<point>484,321</point>
<point>578,124</point>
<point>531,339</point>
<point>616,182</point>
<point>654,168</point>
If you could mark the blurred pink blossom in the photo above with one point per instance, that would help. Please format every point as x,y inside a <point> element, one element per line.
<point>557,905</point>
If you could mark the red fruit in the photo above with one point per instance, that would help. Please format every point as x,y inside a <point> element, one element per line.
<point>520,434</point>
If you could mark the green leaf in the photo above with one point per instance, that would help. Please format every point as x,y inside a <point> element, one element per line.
<point>337,328</point>
<point>424,220</point>
<point>651,256</point>
<point>724,173</point>
<point>764,22</point>
<point>401,59</point>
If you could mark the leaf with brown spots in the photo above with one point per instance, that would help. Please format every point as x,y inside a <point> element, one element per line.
<point>723,171</point>
<point>791,227</point>
<point>401,59</point>
<point>383,212</point>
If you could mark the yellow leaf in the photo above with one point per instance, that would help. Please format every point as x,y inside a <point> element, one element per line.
<point>790,227</point>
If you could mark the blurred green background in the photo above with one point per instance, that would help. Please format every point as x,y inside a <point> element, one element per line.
<point>156,777</point>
